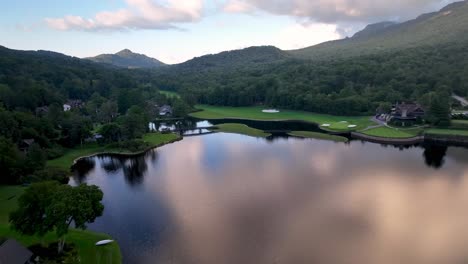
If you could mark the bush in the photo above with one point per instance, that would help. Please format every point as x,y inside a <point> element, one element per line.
<point>131,145</point>
<point>49,174</point>
<point>55,152</point>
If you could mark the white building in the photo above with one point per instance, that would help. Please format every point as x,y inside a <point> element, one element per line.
<point>66,107</point>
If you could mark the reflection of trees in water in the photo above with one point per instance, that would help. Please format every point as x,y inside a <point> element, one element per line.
<point>133,168</point>
<point>82,168</point>
<point>153,156</point>
<point>112,164</point>
<point>434,155</point>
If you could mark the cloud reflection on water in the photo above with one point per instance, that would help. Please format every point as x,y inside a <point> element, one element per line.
<point>312,202</point>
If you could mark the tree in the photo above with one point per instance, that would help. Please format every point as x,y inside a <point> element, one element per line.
<point>49,206</point>
<point>180,108</point>
<point>439,111</point>
<point>31,217</point>
<point>10,161</point>
<point>134,123</point>
<point>79,205</point>
<point>35,159</point>
<point>111,132</point>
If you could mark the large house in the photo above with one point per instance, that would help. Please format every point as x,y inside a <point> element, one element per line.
<point>407,111</point>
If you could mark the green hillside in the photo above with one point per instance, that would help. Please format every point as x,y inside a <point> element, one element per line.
<point>127,59</point>
<point>433,29</point>
<point>418,60</point>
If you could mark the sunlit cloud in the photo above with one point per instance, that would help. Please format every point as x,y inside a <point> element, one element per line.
<point>335,11</point>
<point>139,14</point>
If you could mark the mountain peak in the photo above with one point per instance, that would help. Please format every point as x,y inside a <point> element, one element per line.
<point>124,51</point>
<point>127,59</point>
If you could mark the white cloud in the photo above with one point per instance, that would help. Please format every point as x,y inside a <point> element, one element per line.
<point>304,35</point>
<point>139,14</point>
<point>336,11</point>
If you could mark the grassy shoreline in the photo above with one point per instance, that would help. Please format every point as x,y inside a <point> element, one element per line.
<point>240,129</point>
<point>68,159</point>
<point>84,240</point>
<point>255,113</point>
<point>395,133</point>
<point>316,135</point>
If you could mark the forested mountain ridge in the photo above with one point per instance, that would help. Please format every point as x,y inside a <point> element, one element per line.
<point>259,55</point>
<point>447,25</point>
<point>127,59</point>
<point>418,60</point>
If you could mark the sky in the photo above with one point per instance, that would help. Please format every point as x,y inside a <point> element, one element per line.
<point>174,31</point>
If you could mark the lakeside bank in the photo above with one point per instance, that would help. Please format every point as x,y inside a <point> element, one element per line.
<point>71,156</point>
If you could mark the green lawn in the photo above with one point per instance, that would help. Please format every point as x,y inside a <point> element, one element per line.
<point>64,162</point>
<point>8,201</point>
<point>387,132</point>
<point>315,135</point>
<point>460,124</point>
<point>451,132</point>
<point>241,129</point>
<point>255,113</point>
<point>84,240</point>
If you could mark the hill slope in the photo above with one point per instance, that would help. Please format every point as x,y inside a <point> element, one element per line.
<point>234,59</point>
<point>127,59</point>
<point>448,25</point>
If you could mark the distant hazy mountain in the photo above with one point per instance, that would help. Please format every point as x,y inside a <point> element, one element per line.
<point>127,59</point>
<point>448,25</point>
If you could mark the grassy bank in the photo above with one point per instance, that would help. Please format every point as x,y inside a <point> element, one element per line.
<point>241,129</point>
<point>84,240</point>
<point>65,161</point>
<point>316,135</point>
<point>387,132</point>
<point>255,113</point>
<point>448,132</point>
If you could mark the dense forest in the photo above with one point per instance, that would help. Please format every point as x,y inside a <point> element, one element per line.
<point>349,86</point>
<point>34,86</point>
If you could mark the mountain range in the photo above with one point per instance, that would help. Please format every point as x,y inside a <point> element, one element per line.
<point>385,62</point>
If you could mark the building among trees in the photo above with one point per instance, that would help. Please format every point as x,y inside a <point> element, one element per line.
<point>407,112</point>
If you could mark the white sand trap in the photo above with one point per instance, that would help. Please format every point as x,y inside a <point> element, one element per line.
<point>344,122</point>
<point>271,111</point>
<point>352,126</point>
<point>326,125</point>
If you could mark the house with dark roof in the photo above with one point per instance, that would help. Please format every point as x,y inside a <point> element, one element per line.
<point>25,144</point>
<point>408,111</point>
<point>12,252</point>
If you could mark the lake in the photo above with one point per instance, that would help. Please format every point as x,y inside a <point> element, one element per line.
<point>225,198</point>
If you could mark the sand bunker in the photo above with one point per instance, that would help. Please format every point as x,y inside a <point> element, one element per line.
<point>271,111</point>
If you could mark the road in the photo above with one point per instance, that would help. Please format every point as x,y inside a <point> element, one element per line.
<point>460,99</point>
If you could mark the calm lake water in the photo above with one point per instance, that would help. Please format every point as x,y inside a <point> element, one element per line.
<point>225,198</point>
